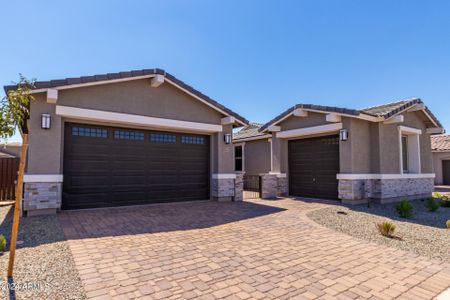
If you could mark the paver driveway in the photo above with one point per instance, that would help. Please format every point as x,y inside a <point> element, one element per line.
<point>248,250</point>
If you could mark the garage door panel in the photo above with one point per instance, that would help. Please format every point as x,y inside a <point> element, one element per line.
<point>313,165</point>
<point>139,167</point>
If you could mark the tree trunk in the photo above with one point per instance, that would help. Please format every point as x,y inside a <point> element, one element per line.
<point>16,217</point>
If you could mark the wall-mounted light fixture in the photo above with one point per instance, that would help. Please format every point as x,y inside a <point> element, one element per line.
<point>343,134</point>
<point>227,138</point>
<point>45,121</point>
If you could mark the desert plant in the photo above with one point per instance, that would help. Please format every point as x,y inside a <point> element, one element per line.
<point>2,243</point>
<point>431,204</point>
<point>386,228</point>
<point>437,195</point>
<point>404,208</point>
<point>448,224</point>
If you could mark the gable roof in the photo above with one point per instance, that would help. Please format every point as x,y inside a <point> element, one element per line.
<point>72,82</point>
<point>440,143</point>
<point>249,131</point>
<point>382,112</point>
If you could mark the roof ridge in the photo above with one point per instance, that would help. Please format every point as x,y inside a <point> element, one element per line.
<point>389,103</point>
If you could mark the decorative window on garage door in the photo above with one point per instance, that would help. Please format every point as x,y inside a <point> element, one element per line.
<point>90,132</point>
<point>191,139</point>
<point>128,135</point>
<point>163,138</point>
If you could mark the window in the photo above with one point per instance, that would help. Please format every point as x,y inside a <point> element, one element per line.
<point>405,153</point>
<point>238,158</point>
<point>163,138</point>
<point>90,132</point>
<point>190,139</point>
<point>128,135</point>
<point>409,154</point>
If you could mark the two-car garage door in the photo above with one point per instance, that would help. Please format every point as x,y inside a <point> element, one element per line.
<point>107,166</point>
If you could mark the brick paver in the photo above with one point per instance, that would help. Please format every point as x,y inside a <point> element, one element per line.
<point>250,250</point>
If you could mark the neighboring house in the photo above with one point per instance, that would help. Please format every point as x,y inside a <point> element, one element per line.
<point>127,138</point>
<point>13,149</point>
<point>440,145</point>
<point>381,152</point>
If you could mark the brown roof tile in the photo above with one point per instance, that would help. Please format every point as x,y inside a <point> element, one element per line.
<point>440,143</point>
<point>251,130</point>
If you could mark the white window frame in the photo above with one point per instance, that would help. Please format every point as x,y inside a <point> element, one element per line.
<point>413,155</point>
<point>242,158</point>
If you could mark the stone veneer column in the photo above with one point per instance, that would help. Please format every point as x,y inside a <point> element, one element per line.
<point>282,185</point>
<point>228,187</point>
<point>239,186</point>
<point>269,186</point>
<point>42,197</point>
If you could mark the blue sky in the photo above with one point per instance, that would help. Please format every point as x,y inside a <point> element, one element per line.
<point>256,57</point>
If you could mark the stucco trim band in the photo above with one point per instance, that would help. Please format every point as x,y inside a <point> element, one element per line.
<point>309,130</point>
<point>224,176</point>
<point>130,119</point>
<point>384,176</point>
<point>42,178</point>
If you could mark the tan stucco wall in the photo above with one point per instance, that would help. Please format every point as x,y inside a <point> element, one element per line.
<point>257,157</point>
<point>313,119</point>
<point>438,157</point>
<point>45,146</point>
<point>390,144</point>
<point>133,97</point>
<point>138,97</point>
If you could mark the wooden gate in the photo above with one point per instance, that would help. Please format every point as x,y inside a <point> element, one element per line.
<point>9,167</point>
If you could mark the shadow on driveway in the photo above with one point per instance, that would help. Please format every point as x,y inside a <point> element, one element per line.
<point>157,218</point>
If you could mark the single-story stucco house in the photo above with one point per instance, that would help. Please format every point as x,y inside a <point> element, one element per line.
<point>381,153</point>
<point>127,138</point>
<point>440,146</point>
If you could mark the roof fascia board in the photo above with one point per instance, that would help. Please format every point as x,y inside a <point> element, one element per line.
<point>413,110</point>
<point>362,116</point>
<point>78,85</point>
<point>131,119</point>
<point>253,138</point>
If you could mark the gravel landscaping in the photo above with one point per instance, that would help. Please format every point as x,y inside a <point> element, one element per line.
<point>425,233</point>
<point>43,260</point>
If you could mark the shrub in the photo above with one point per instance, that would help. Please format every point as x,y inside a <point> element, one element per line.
<point>2,242</point>
<point>431,204</point>
<point>386,228</point>
<point>404,209</point>
<point>448,224</point>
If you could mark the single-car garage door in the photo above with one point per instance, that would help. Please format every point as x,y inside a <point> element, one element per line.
<point>446,171</point>
<point>313,165</point>
<point>106,166</point>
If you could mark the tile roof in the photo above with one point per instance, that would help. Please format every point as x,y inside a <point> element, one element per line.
<point>389,109</point>
<point>124,75</point>
<point>440,143</point>
<point>251,130</point>
<point>384,111</point>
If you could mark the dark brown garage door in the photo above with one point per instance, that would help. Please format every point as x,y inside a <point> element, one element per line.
<point>313,165</point>
<point>446,171</point>
<point>105,166</point>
